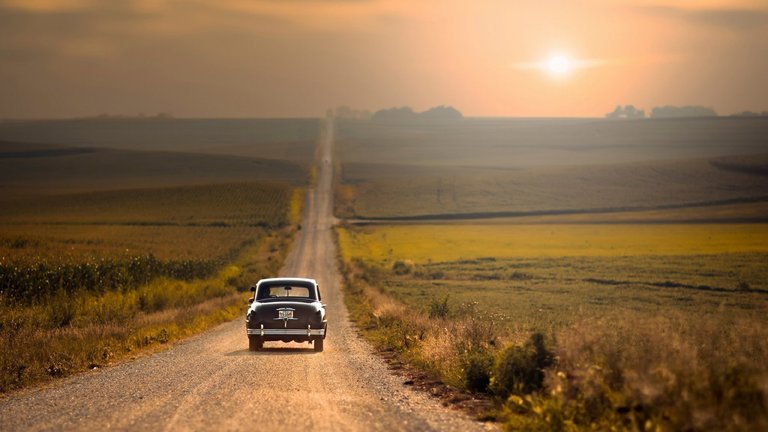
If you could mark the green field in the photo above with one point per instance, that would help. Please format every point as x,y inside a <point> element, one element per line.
<point>276,139</point>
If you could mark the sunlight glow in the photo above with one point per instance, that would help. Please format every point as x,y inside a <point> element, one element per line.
<point>559,65</point>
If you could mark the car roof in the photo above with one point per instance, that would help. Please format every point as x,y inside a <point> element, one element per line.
<point>287,280</point>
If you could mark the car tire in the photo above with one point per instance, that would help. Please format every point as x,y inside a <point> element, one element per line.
<point>318,345</point>
<point>255,343</point>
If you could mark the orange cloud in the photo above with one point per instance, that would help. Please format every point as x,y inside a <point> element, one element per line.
<point>697,4</point>
<point>337,16</point>
<point>46,6</point>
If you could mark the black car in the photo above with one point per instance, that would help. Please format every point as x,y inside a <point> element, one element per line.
<point>288,310</point>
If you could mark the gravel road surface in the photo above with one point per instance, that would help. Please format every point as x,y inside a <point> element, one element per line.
<point>212,382</point>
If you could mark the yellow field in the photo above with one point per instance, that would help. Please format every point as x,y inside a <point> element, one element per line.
<point>442,243</point>
<point>296,205</point>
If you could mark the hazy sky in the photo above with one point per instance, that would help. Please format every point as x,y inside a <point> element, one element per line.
<point>244,58</point>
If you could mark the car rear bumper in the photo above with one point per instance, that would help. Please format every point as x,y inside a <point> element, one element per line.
<point>308,332</point>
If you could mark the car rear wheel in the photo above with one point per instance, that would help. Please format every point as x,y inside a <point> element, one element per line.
<point>318,345</point>
<point>255,343</point>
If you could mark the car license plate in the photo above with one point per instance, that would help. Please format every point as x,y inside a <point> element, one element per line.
<point>285,314</point>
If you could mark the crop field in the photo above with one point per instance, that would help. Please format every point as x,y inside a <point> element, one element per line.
<point>202,226</point>
<point>478,169</point>
<point>44,170</point>
<point>516,143</point>
<point>235,204</point>
<point>191,222</point>
<point>276,139</point>
<point>464,193</point>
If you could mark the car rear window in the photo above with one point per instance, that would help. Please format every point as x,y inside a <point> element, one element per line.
<point>282,291</point>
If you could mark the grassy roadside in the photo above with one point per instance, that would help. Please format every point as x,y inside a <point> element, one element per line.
<point>623,367</point>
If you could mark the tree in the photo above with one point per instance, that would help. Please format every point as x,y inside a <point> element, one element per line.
<point>628,112</point>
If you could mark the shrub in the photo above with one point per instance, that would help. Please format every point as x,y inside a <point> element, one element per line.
<point>439,308</point>
<point>402,267</point>
<point>520,369</point>
<point>477,371</point>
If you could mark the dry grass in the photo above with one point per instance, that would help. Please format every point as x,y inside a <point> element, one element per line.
<point>655,373</point>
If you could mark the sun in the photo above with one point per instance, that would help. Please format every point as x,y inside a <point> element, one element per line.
<point>558,65</point>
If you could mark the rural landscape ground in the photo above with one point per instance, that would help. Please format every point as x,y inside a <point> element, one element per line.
<point>556,273</point>
<point>212,381</point>
<point>592,274</point>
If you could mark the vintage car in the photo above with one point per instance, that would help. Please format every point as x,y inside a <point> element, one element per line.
<point>288,310</point>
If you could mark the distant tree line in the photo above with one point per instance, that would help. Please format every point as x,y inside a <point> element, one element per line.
<point>352,113</point>
<point>626,112</point>
<point>140,116</point>
<point>750,114</point>
<point>667,111</point>
<point>670,111</point>
<point>442,112</point>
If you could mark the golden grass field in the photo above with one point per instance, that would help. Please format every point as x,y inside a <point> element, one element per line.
<point>449,242</point>
<point>545,276</point>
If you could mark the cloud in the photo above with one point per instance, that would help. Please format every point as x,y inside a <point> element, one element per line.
<point>339,16</point>
<point>733,19</point>
<point>46,6</point>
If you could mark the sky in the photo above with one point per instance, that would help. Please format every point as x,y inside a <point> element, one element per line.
<point>297,58</point>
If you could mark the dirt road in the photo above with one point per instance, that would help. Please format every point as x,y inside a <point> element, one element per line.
<point>212,382</point>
